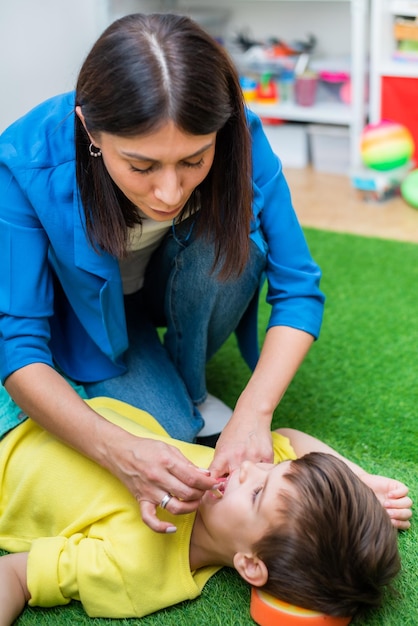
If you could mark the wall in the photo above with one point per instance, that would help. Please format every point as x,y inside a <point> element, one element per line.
<point>42,45</point>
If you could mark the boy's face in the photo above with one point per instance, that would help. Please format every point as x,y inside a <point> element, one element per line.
<point>247,509</point>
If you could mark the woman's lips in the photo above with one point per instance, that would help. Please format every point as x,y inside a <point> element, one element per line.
<point>168,214</point>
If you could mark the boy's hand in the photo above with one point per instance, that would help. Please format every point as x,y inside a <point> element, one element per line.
<point>393,496</point>
<point>14,591</point>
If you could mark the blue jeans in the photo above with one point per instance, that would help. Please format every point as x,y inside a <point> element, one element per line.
<point>168,378</point>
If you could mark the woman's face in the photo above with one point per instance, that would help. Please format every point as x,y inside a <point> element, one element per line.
<point>158,172</point>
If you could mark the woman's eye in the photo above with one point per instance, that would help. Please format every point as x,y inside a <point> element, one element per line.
<point>145,170</point>
<point>198,164</point>
<point>151,168</point>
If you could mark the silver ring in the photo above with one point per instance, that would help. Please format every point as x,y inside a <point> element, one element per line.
<point>165,500</point>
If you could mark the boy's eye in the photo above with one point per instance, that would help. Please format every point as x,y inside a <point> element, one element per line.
<point>256,492</point>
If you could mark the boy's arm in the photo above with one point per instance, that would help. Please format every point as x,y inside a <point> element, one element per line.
<point>392,494</point>
<point>13,588</point>
<point>302,443</point>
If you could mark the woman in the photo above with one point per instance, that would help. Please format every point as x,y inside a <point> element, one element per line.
<point>133,200</point>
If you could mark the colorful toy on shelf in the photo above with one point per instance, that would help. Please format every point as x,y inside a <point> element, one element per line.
<point>267,92</point>
<point>409,189</point>
<point>386,145</point>
<point>248,87</point>
<point>267,610</point>
<point>345,92</point>
<point>306,86</point>
<point>337,85</point>
<point>286,85</point>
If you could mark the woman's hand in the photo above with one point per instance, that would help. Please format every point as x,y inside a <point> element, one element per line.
<point>242,439</point>
<point>393,496</point>
<point>248,433</point>
<point>153,469</point>
<point>149,469</point>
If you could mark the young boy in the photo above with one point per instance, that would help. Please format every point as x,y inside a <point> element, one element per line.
<point>307,530</point>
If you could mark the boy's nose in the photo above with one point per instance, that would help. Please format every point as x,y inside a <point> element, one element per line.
<point>246,468</point>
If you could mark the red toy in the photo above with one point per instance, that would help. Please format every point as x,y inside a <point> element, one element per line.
<point>267,92</point>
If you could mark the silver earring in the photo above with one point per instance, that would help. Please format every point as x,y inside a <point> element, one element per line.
<point>94,151</point>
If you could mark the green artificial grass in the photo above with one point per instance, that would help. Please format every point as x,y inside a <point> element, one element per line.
<point>357,390</point>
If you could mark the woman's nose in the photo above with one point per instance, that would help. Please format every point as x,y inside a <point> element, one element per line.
<point>168,188</point>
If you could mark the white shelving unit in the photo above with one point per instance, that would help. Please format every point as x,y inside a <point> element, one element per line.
<point>325,112</point>
<point>321,112</point>
<point>382,41</point>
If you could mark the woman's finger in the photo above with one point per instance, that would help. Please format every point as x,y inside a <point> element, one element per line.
<point>187,482</point>
<point>150,518</point>
<point>180,507</point>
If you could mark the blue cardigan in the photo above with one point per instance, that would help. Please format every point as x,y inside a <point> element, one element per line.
<point>61,302</point>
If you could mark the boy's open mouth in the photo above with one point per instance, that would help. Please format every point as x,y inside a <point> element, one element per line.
<point>221,486</point>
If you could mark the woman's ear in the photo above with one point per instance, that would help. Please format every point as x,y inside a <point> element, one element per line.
<point>251,568</point>
<point>80,115</point>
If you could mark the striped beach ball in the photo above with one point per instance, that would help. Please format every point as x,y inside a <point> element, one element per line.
<point>386,145</point>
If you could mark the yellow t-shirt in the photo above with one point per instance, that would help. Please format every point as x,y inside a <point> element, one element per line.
<point>83,529</point>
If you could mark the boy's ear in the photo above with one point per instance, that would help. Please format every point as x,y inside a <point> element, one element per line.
<point>251,568</point>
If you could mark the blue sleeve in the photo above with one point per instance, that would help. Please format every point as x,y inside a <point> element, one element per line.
<point>26,294</point>
<point>292,275</point>
<point>35,152</point>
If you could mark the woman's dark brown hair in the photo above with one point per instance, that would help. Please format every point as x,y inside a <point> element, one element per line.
<point>334,549</point>
<point>143,71</point>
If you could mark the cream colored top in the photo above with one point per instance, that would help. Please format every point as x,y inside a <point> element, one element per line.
<point>143,241</point>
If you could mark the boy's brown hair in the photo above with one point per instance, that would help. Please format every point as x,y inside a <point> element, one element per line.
<point>335,549</point>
